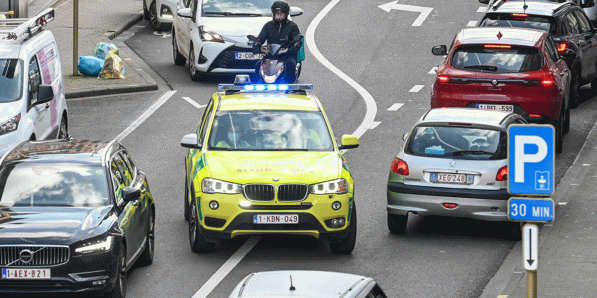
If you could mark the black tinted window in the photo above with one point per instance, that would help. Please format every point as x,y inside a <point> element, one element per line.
<point>497,58</point>
<point>546,24</point>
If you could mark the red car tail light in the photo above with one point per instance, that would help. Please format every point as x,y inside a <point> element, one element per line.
<point>520,16</point>
<point>497,46</point>
<point>502,174</point>
<point>534,115</point>
<point>562,46</point>
<point>399,166</point>
<point>547,83</point>
<point>443,79</point>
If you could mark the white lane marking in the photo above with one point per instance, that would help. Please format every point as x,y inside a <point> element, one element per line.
<point>194,103</point>
<point>162,34</point>
<point>395,107</point>
<point>369,101</point>
<point>145,115</point>
<point>416,88</point>
<point>374,124</point>
<point>433,70</point>
<point>472,24</point>
<point>423,11</point>
<point>482,9</point>
<point>215,279</point>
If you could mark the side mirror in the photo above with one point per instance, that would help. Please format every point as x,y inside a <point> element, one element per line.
<point>295,11</point>
<point>45,93</point>
<point>190,141</point>
<point>405,136</point>
<point>349,142</point>
<point>185,13</point>
<point>484,1</point>
<point>130,194</point>
<point>569,54</point>
<point>252,38</point>
<point>587,3</point>
<point>439,50</point>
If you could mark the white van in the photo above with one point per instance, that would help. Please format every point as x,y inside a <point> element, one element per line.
<point>32,102</point>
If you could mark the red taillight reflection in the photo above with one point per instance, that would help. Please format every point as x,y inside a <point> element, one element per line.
<point>547,83</point>
<point>562,47</point>
<point>399,166</point>
<point>443,79</point>
<point>534,115</point>
<point>502,174</point>
<point>520,16</point>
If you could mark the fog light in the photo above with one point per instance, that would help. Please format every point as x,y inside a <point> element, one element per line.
<point>98,282</point>
<point>334,223</point>
<point>336,205</point>
<point>340,222</point>
<point>245,204</point>
<point>214,205</point>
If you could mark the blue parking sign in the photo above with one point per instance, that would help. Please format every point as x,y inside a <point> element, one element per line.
<point>531,160</point>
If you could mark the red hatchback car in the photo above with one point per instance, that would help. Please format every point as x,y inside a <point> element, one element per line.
<point>505,69</point>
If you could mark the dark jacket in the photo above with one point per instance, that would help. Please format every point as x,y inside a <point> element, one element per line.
<point>279,33</point>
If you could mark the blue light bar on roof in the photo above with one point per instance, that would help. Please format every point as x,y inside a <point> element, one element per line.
<point>265,87</point>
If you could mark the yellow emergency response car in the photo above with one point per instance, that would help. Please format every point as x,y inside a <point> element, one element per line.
<point>263,160</point>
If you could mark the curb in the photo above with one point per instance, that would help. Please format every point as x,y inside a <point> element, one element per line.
<point>110,91</point>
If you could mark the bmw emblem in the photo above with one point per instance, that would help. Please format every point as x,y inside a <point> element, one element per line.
<point>26,256</point>
<point>494,82</point>
<point>276,179</point>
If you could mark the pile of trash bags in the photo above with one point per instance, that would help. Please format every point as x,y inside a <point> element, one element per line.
<point>104,64</point>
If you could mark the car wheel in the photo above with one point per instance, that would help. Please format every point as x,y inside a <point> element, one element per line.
<point>186,200</point>
<point>178,57</point>
<point>146,257</point>
<point>196,240</point>
<point>346,246</point>
<point>145,11</point>
<point>119,290</point>
<point>63,129</point>
<point>195,74</point>
<point>574,90</point>
<point>514,231</point>
<point>153,17</point>
<point>397,223</point>
<point>567,122</point>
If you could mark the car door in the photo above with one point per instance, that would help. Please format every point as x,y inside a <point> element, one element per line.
<point>138,181</point>
<point>186,29</point>
<point>575,36</point>
<point>590,39</point>
<point>559,69</point>
<point>39,113</point>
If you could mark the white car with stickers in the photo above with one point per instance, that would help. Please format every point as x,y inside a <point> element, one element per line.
<point>32,101</point>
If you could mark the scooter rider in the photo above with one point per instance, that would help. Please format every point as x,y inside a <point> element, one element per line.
<point>281,31</point>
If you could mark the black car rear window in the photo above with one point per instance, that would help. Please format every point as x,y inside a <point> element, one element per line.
<point>497,58</point>
<point>521,20</point>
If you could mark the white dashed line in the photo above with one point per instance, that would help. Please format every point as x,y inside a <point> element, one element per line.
<point>194,103</point>
<point>416,88</point>
<point>433,71</point>
<point>395,107</point>
<point>482,9</point>
<point>472,24</point>
<point>145,115</point>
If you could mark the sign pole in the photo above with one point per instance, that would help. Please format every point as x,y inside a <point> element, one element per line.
<point>531,284</point>
<point>75,37</point>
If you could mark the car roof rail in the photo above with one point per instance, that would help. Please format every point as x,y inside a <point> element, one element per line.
<point>3,157</point>
<point>22,29</point>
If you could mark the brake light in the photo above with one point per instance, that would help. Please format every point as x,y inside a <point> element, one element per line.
<point>547,83</point>
<point>443,79</point>
<point>562,47</point>
<point>534,115</point>
<point>497,46</point>
<point>399,166</point>
<point>519,16</point>
<point>502,174</point>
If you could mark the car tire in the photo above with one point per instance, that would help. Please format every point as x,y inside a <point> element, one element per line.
<point>119,290</point>
<point>145,11</point>
<point>63,129</point>
<point>179,59</point>
<point>514,231</point>
<point>195,74</point>
<point>574,90</point>
<point>346,246</point>
<point>186,208</point>
<point>146,257</point>
<point>196,240</point>
<point>153,17</point>
<point>397,223</point>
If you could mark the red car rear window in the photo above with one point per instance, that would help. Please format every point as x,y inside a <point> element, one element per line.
<point>482,58</point>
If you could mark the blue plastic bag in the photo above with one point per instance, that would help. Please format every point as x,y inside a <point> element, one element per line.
<point>102,49</point>
<point>90,65</point>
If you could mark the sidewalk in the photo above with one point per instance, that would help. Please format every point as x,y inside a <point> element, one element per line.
<point>99,20</point>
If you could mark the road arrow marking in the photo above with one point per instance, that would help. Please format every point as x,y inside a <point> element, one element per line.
<point>194,103</point>
<point>424,11</point>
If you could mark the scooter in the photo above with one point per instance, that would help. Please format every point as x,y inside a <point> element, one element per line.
<point>272,69</point>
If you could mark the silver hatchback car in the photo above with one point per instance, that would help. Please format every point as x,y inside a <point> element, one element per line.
<point>453,163</point>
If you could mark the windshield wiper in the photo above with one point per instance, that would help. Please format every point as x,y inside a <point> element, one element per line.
<point>472,152</point>
<point>227,13</point>
<point>482,67</point>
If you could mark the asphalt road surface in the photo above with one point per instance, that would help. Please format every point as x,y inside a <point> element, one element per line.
<point>391,59</point>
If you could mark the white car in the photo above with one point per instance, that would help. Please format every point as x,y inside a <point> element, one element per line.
<point>160,13</point>
<point>212,36</point>
<point>32,101</point>
<point>306,283</point>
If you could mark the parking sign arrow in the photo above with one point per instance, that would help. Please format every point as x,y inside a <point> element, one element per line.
<point>530,246</point>
<point>424,11</point>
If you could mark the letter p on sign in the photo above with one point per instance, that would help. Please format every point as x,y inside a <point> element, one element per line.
<point>531,157</point>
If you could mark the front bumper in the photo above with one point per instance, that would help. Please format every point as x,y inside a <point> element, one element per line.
<point>490,205</point>
<point>216,57</point>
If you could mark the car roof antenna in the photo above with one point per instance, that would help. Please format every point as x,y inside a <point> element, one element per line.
<point>525,6</point>
<point>292,288</point>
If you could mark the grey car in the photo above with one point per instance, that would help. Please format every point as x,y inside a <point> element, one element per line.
<point>307,283</point>
<point>453,163</point>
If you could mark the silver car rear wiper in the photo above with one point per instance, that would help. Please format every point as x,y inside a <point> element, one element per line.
<point>482,67</point>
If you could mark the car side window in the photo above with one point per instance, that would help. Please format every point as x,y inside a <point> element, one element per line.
<point>376,292</point>
<point>205,121</point>
<point>128,166</point>
<point>123,168</point>
<point>34,79</point>
<point>117,181</point>
<point>572,24</point>
<point>551,49</point>
<point>583,23</point>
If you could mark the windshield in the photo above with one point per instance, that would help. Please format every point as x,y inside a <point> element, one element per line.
<point>510,59</point>
<point>11,80</point>
<point>270,130</point>
<point>42,184</point>
<point>543,23</point>
<point>458,142</point>
<point>237,7</point>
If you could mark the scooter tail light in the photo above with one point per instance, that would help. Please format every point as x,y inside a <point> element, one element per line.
<point>502,174</point>
<point>400,167</point>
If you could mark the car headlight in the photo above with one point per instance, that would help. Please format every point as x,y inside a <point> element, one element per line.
<point>166,12</point>
<point>208,35</point>
<point>338,186</point>
<point>210,185</point>
<point>10,125</point>
<point>96,245</point>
